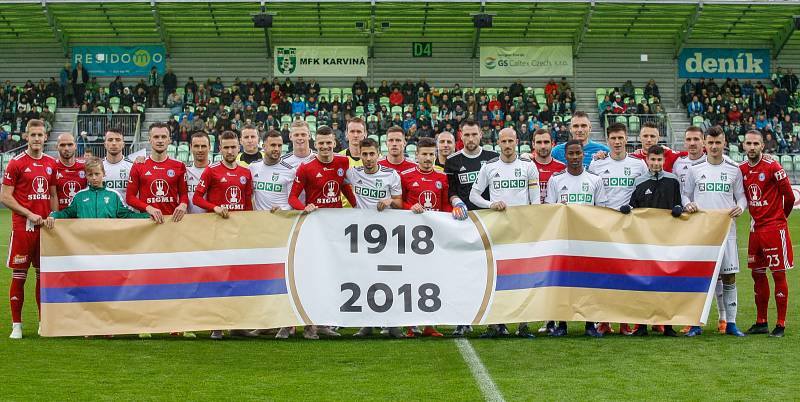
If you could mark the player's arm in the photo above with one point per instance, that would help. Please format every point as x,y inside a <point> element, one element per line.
<point>534,191</point>
<point>551,197</point>
<point>687,193</point>
<point>396,194</point>
<point>452,181</point>
<point>248,194</point>
<point>132,193</point>
<point>297,188</point>
<point>785,190</point>
<point>53,197</point>
<point>7,195</point>
<point>601,197</point>
<point>446,207</point>
<point>124,212</point>
<point>347,190</point>
<point>70,212</point>
<point>183,196</point>
<point>199,198</point>
<point>476,194</point>
<point>738,195</point>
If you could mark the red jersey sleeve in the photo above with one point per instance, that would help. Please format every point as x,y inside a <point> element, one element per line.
<point>132,194</point>
<point>12,172</point>
<point>183,188</point>
<point>200,191</point>
<point>784,189</point>
<point>443,197</point>
<point>248,191</point>
<point>407,200</point>
<point>297,188</point>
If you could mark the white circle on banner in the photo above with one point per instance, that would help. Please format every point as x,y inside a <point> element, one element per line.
<point>333,285</point>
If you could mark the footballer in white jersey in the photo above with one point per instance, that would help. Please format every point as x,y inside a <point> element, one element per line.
<point>272,184</point>
<point>117,176</point>
<point>583,189</point>
<point>514,183</point>
<point>618,177</point>
<point>371,188</point>
<point>193,174</point>
<point>294,161</point>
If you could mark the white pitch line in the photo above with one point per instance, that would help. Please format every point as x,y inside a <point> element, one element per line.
<point>482,377</point>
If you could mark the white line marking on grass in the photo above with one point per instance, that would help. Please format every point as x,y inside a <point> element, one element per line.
<point>482,377</point>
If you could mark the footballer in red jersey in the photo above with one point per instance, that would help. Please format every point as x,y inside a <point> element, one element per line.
<point>322,178</point>
<point>425,189</point>
<point>770,201</point>
<point>225,186</point>
<point>649,136</point>
<point>29,191</point>
<point>396,142</point>
<point>158,185</point>
<point>542,157</point>
<point>70,176</point>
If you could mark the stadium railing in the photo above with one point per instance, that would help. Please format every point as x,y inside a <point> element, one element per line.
<point>634,123</point>
<point>95,126</point>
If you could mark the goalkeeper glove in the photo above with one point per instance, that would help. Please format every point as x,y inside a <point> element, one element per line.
<point>459,210</point>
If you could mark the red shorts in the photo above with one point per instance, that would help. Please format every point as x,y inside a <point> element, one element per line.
<point>23,249</point>
<point>771,249</point>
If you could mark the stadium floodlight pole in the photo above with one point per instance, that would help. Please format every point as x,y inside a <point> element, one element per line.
<point>683,39</point>
<point>587,19</point>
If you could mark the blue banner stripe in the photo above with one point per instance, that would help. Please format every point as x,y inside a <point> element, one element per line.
<point>603,281</point>
<point>163,292</point>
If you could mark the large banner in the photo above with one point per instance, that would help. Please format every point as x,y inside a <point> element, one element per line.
<point>120,60</point>
<point>526,61</point>
<point>724,63</point>
<point>366,268</point>
<point>321,61</point>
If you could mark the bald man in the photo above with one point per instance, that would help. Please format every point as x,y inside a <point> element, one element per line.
<point>70,177</point>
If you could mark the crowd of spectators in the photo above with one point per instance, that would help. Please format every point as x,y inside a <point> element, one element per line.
<point>628,100</point>
<point>739,107</point>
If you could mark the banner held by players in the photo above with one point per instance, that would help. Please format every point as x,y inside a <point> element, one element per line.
<point>365,268</point>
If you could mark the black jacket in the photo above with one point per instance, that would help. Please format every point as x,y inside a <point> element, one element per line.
<point>662,190</point>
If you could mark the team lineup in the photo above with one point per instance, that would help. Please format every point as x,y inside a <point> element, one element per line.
<point>40,189</point>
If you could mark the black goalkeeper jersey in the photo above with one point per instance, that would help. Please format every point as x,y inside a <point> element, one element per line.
<point>462,171</point>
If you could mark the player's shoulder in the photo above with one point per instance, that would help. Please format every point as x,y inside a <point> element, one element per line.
<point>457,154</point>
<point>282,164</point>
<point>699,164</point>
<point>493,160</point>
<point>558,174</point>
<point>286,156</point>
<point>383,169</point>
<point>359,169</point>
<point>215,165</point>
<point>489,155</point>
<point>49,159</point>
<point>408,171</point>
<point>730,163</point>
<point>19,156</point>
<point>525,159</point>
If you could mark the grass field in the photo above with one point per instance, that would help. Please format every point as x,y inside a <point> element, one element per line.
<point>709,367</point>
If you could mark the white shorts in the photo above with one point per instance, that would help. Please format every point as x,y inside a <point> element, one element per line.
<point>730,258</point>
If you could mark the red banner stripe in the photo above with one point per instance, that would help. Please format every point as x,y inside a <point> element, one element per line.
<point>133,277</point>
<point>566,263</point>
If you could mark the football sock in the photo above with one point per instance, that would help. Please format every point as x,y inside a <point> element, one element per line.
<point>16,294</point>
<point>761,288</point>
<point>730,297</point>
<point>781,295</point>
<point>720,301</point>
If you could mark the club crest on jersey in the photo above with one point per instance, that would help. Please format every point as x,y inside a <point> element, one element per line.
<point>438,185</point>
<point>49,170</point>
<point>378,183</point>
<point>242,179</point>
<point>171,173</point>
<point>340,172</point>
<point>723,176</point>
<point>82,174</point>
<point>585,187</point>
<point>275,177</point>
<point>330,192</point>
<point>107,199</point>
<point>627,171</point>
<point>517,172</point>
<point>761,177</point>
<point>123,174</point>
<point>232,195</point>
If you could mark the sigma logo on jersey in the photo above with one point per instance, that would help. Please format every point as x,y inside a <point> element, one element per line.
<point>69,190</point>
<point>715,187</point>
<point>159,188</point>
<point>577,198</point>
<point>500,184</point>
<point>618,181</point>
<point>468,177</point>
<point>268,186</point>
<point>428,200</point>
<point>234,197</point>
<point>374,193</point>
<point>330,193</point>
<point>755,196</point>
<point>40,188</point>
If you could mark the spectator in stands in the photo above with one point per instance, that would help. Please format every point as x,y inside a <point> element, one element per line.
<point>153,81</point>
<point>360,84</point>
<point>651,90</point>
<point>628,89</point>
<point>48,117</point>
<point>65,80</point>
<point>777,77</point>
<point>695,108</point>
<point>618,106</point>
<point>79,79</point>
<point>190,84</point>
<point>516,89</point>
<point>396,98</point>
<point>789,81</point>
<point>384,90</point>
<point>770,143</point>
<point>175,103</point>
<point>551,90</point>
<point>567,100</point>
<point>762,122</point>
<point>115,87</point>
<point>170,82</point>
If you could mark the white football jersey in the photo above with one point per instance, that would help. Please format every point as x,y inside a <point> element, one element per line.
<point>618,177</point>
<point>117,176</point>
<point>271,185</point>
<point>583,189</point>
<point>715,187</point>
<point>370,188</point>
<point>193,174</point>
<point>294,161</point>
<point>515,183</point>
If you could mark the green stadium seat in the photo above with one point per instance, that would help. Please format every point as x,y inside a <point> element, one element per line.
<point>183,147</point>
<point>622,119</point>
<point>633,123</point>
<point>113,102</point>
<point>491,92</point>
<point>374,137</point>
<point>127,109</point>
<point>346,91</point>
<point>787,162</point>
<point>524,148</point>
<point>172,150</point>
<point>101,109</point>
<point>285,148</point>
<point>336,92</point>
<point>311,120</point>
<point>638,98</point>
<point>538,91</point>
<point>698,121</point>
<point>411,148</point>
<point>638,91</point>
<point>52,103</point>
<point>360,111</point>
<point>218,158</point>
<point>384,148</point>
<point>183,156</point>
<point>435,110</point>
<point>541,99</point>
<point>180,91</point>
<point>397,110</point>
<point>286,119</point>
<point>796,129</point>
<point>488,147</point>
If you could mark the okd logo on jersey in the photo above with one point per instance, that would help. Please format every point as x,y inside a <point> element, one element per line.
<point>375,193</point>
<point>503,184</point>
<point>577,198</point>
<point>159,188</point>
<point>715,187</point>
<point>234,197</point>
<point>467,177</point>
<point>618,181</point>
<point>40,188</point>
<point>268,186</point>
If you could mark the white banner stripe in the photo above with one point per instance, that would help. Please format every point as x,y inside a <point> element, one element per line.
<point>605,250</point>
<point>209,258</point>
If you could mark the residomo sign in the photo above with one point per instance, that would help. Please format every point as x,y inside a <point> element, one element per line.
<point>120,60</point>
<point>320,61</point>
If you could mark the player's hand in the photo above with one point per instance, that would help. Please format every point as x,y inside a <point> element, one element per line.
<point>35,219</point>
<point>50,222</point>
<point>221,211</point>
<point>180,211</point>
<point>600,155</point>
<point>417,208</point>
<point>155,213</point>
<point>691,208</point>
<point>384,204</point>
<point>460,210</point>
<point>498,206</point>
<point>735,212</point>
<point>274,209</point>
<point>310,208</point>
<point>139,159</point>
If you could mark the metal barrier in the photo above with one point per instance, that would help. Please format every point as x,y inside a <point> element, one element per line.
<point>95,126</point>
<point>634,123</point>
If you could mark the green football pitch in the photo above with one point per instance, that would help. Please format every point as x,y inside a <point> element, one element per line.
<point>711,366</point>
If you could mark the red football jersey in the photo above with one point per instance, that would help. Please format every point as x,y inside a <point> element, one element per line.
<point>322,182</point>
<point>400,167</point>
<point>225,187</point>
<point>545,171</point>
<point>31,179</point>
<point>429,189</point>
<point>769,194</point>
<point>69,180</point>
<point>670,157</point>
<point>158,184</point>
